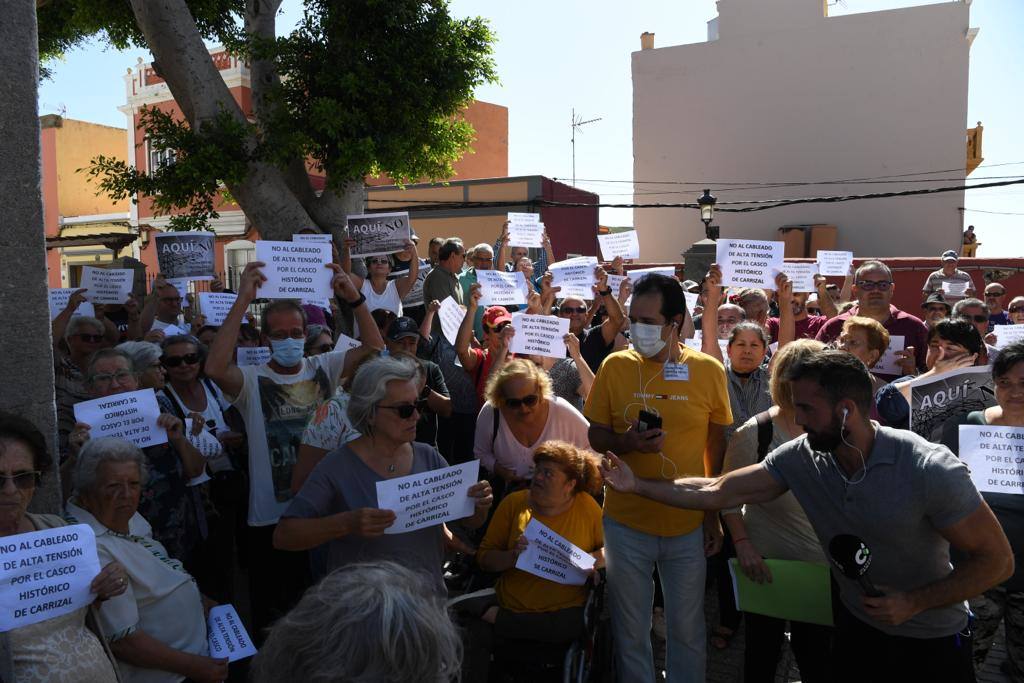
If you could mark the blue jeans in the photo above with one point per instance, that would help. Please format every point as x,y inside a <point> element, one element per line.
<point>631,557</point>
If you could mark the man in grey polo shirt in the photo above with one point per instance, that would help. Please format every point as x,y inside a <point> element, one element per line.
<point>907,499</point>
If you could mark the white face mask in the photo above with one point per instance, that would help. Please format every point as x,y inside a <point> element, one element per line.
<point>646,339</point>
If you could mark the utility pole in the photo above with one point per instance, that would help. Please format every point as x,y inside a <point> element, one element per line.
<point>576,123</point>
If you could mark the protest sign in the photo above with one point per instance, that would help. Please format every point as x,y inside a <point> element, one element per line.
<point>801,275</point>
<point>295,270</point>
<point>949,396</point>
<point>346,343</point>
<point>624,244</point>
<point>575,276</point>
<point>415,295</point>
<point>185,254</point>
<point>253,355</point>
<point>44,574</point>
<point>995,457</point>
<point>525,230</point>
<point>691,301</point>
<point>59,301</point>
<point>540,335</point>
<point>498,288</point>
<point>311,237</point>
<point>107,285</point>
<point>428,498</point>
<point>181,284</point>
<point>1008,334</point>
<point>451,314</point>
<point>215,306</point>
<point>955,288</point>
<point>698,340</point>
<point>834,262</point>
<point>204,442</point>
<point>615,282</point>
<point>130,416</point>
<point>378,234</point>
<point>889,364</point>
<point>750,263</point>
<point>551,556</point>
<point>227,636</point>
<point>168,330</point>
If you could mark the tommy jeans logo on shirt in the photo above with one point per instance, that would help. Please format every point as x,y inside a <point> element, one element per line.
<point>663,397</point>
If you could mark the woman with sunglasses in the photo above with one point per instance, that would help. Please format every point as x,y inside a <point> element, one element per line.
<point>318,340</point>
<point>380,292</point>
<point>1016,310</point>
<point>338,505</point>
<point>522,412</point>
<point>65,648</point>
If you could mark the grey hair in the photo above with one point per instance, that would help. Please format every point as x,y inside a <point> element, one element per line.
<point>370,385</point>
<point>143,353</point>
<point>80,321</point>
<point>363,622</point>
<point>95,452</point>
<point>109,353</point>
<point>959,306</point>
<point>872,265</point>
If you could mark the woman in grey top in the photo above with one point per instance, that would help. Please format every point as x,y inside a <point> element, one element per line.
<point>337,504</point>
<point>777,529</point>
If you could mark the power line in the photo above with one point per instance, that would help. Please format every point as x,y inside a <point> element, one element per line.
<point>995,213</point>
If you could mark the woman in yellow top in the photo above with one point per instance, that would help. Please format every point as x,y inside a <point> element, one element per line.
<point>561,497</point>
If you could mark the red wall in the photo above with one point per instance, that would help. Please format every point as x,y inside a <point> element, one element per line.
<point>572,229</point>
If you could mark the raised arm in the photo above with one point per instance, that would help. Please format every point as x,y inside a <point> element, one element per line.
<point>465,334</point>
<point>547,255</point>
<point>828,307</point>
<point>787,323</point>
<point>346,261</point>
<point>846,293</point>
<point>60,323</point>
<point>612,323</point>
<point>220,362</point>
<point>709,318</point>
<point>428,318</point>
<point>501,252</point>
<point>345,289</point>
<point>405,283</point>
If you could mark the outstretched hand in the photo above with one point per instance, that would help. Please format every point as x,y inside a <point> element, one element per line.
<point>617,474</point>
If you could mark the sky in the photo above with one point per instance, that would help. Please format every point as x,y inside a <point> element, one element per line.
<point>553,57</point>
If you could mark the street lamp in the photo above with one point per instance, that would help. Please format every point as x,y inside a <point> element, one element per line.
<point>707,213</point>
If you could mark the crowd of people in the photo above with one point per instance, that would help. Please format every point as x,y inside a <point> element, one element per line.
<point>757,425</point>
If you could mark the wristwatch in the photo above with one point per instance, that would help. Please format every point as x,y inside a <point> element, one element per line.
<point>358,302</point>
<point>606,292</point>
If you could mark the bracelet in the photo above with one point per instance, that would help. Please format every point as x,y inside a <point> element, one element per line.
<point>606,292</point>
<point>738,540</point>
<point>358,302</point>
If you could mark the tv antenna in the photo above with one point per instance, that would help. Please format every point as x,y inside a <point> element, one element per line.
<point>577,124</point>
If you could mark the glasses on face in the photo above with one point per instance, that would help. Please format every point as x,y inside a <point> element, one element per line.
<point>405,410</point>
<point>528,401</point>
<point>281,336</point>
<point>175,361</point>
<point>871,285</point>
<point>1016,309</point>
<point>499,328</point>
<point>978,318</point>
<point>994,295</point>
<point>379,261</point>
<point>323,348</point>
<point>569,310</point>
<point>104,379</point>
<point>90,338</point>
<point>22,480</point>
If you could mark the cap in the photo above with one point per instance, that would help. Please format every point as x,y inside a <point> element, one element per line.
<point>403,327</point>
<point>937,298</point>
<point>950,255</point>
<point>690,285</point>
<point>495,315</point>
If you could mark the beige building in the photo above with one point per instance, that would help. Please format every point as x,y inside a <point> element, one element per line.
<point>781,92</point>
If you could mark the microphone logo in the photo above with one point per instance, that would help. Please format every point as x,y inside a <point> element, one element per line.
<point>862,556</point>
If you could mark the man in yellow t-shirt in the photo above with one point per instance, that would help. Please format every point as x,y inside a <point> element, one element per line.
<point>688,391</point>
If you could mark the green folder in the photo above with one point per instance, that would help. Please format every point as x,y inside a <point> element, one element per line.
<point>799,591</point>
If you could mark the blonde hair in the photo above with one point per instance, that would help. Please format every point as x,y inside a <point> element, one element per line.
<point>577,463</point>
<point>878,336</point>
<point>513,369</point>
<point>784,358</point>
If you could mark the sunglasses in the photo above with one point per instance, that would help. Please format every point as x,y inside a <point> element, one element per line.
<point>175,361</point>
<point>570,309</point>
<point>1016,309</point>
<point>978,318</point>
<point>528,401</point>
<point>871,285</point>
<point>90,338</point>
<point>994,295</point>
<point>499,327</point>
<point>380,260</point>
<point>22,480</point>
<point>324,348</point>
<point>406,410</point>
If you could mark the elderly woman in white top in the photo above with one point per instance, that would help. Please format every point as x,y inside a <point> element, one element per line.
<point>157,627</point>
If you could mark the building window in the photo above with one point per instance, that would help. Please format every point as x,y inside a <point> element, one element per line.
<point>236,255</point>
<point>159,158</point>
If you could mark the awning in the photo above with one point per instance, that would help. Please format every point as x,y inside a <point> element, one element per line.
<point>115,241</point>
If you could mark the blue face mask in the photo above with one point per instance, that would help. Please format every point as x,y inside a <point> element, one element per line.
<point>287,352</point>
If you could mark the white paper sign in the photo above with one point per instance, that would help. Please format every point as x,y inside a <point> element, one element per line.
<point>524,230</point>
<point>691,301</point>
<point>1008,334</point>
<point>834,262</point>
<point>44,574</point>
<point>995,456</point>
<point>346,343</point>
<point>252,355</point>
<point>540,335</point>
<point>205,442</point>
<point>59,301</point>
<point>697,342</point>
<point>227,636</point>
<point>551,556</point>
<point>624,244</point>
<point>295,270</point>
<point>615,282</point>
<point>575,276</point>
<point>451,314</point>
<point>955,288</point>
<point>750,263</point>
<point>170,330</point>
<point>107,286</point>
<point>428,498</point>
<point>130,416</point>
<point>889,364</point>
<point>215,306</point>
<point>498,288</point>
<point>378,234</point>
<point>311,237</point>
<point>801,275</point>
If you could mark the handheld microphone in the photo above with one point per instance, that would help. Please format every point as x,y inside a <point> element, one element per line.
<point>853,558</point>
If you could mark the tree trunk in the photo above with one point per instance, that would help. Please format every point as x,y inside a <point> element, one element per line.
<point>26,364</point>
<point>199,90</point>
